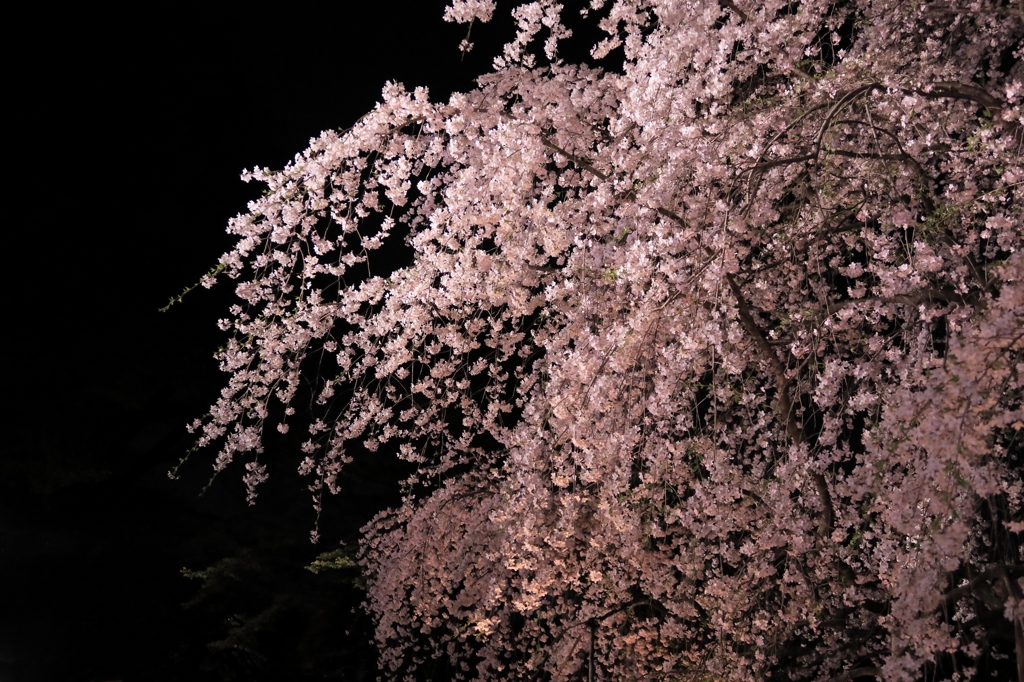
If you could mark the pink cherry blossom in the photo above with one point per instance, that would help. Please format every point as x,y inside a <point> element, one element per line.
<point>710,368</point>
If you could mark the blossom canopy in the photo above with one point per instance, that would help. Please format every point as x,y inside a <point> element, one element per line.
<point>709,363</point>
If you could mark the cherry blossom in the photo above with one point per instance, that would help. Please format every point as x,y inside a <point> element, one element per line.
<point>710,367</point>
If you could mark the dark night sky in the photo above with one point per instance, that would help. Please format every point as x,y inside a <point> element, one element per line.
<point>132,128</point>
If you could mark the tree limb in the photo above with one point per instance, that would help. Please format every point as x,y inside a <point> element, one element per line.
<point>954,595</point>
<point>954,90</point>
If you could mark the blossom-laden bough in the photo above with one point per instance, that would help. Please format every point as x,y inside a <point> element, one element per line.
<point>710,366</point>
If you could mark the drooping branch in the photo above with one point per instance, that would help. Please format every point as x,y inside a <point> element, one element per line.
<point>1013,593</point>
<point>1007,575</point>
<point>785,404</point>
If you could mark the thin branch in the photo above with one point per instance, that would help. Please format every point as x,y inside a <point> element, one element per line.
<point>868,155</point>
<point>857,673</point>
<point>1013,592</point>
<point>844,101</point>
<point>629,195</point>
<point>998,11</point>
<point>943,295</point>
<point>783,162</point>
<point>729,4</point>
<point>590,658</point>
<point>582,163</point>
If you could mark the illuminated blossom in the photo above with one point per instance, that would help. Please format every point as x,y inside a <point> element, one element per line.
<point>711,365</point>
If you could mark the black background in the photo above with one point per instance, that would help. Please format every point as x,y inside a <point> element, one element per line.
<point>131,129</point>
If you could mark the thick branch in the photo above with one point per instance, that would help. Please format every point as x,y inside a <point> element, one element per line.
<point>951,89</point>
<point>778,367</point>
<point>943,295</point>
<point>838,152</point>
<point>953,596</point>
